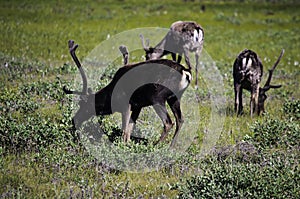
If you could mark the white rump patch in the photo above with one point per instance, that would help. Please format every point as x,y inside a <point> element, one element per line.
<point>244,62</point>
<point>198,36</point>
<point>247,64</point>
<point>185,80</point>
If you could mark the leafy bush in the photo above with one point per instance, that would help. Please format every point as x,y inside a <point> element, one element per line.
<point>45,90</point>
<point>270,169</point>
<point>31,132</point>
<point>27,122</point>
<point>277,179</point>
<point>274,133</point>
<point>278,132</point>
<point>35,117</point>
<point>292,108</point>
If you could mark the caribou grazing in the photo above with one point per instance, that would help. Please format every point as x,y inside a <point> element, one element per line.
<point>247,73</point>
<point>182,38</point>
<point>134,86</point>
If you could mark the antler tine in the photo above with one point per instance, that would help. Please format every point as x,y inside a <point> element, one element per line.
<point>145,46</point>
<point>267,85</point>
<point>72,49</point>
<point>67,91</point>
<point>278,60</point>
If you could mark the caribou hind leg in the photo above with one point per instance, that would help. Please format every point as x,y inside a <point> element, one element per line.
<point>174,104</point>
<point>197,54</point>
<point>162,112</point>
<point>238,104</point>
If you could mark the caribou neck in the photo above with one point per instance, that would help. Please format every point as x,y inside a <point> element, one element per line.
<point>103,101</point>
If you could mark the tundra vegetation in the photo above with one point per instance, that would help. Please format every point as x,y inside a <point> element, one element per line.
<point>254,157</point>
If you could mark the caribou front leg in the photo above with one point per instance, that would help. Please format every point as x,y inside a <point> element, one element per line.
<point>174,104</point>
<point>238,104</point>
<point>125,123</point>
<point>187,59</point>
<point>254,100</point>
<point>179,58</point>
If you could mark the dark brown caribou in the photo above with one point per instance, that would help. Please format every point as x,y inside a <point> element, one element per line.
<point>134,86</point>
<point>247,74</point>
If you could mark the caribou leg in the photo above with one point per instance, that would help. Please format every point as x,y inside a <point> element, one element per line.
<point>125,123</point>
<point>254,100</point>
<point>179,58</point>
<point>173,55</point>
<point>187,59</point>
<point>197,54</point>
<point>238,92</point>
<point>174,104</point>
<point>162,112</point>
<point>134,115</point>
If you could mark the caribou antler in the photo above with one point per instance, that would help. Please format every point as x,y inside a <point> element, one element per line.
<point>72,49</point>
<point>267,85</point>
<point>123,49</point>
<point>145,46</point>
<point>67,91</point>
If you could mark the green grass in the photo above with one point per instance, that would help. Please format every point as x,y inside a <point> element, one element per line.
<point>38,155</point>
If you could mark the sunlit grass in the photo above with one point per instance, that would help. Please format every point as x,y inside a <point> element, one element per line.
<point>35,64</point>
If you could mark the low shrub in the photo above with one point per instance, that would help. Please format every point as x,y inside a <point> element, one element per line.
<point>292,108</point>
<point>271,170</point>
<point>31,132</point>
<point>274,133</point>
<point>277,179</point>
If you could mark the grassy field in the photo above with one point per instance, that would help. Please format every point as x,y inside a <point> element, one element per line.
<point>252,158</point>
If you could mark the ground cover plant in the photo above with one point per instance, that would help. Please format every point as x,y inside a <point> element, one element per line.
<point>40,156</point>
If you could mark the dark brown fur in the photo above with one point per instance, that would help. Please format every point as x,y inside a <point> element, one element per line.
<point>247,74</point>
<point>153,88</point>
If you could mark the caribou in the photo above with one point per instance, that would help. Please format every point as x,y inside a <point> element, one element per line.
<point>134,86</point>
<point>182,38</point>
<point>247,74</point>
